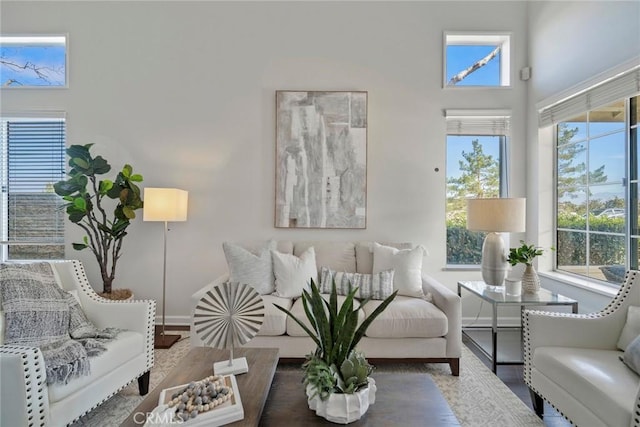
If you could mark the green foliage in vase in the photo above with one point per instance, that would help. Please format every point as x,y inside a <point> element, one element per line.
<point>524,254</point>
<point>336,334</point>
<point>87,197</point>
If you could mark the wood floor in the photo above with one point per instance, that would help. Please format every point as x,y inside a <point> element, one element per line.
<point>512,376</point>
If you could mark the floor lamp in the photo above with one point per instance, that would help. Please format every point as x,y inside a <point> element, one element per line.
<point>495,215</point>
<point>167,205</point>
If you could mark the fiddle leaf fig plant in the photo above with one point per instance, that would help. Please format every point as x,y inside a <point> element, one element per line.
<point>90,205</point>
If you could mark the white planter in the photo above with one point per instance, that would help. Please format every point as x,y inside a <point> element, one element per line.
<point>343,408</point>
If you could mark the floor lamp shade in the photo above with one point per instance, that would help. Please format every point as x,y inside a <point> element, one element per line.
<point>166,205</point>
<point>495,215</point>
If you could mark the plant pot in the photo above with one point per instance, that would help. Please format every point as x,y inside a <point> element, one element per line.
<point>343,408</point>
<point>530,280</point>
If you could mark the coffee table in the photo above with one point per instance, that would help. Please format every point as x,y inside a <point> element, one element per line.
<point>198,363</point>
<point>402,399</point>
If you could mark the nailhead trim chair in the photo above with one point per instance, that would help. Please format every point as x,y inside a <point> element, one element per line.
<point>572,362</point>
<point>25,397</point>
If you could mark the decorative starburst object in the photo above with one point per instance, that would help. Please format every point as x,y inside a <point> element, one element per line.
<point>227,316</point>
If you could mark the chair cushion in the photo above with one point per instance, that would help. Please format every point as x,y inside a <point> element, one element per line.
<point>407,317</point>
<point>275,321</point>
<point>124,347</point>
<point>338,256</point>
<point>295,330</point>
<point>595,378</point>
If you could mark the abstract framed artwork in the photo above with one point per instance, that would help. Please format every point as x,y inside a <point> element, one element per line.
<point>321,159</point>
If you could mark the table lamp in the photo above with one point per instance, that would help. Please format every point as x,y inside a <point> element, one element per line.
<point>167,205</point>
<point>495,215</point>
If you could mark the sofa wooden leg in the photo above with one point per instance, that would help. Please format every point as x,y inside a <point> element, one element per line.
<point>143,383</point>
<point>538,403</point>
<point>455,366</point>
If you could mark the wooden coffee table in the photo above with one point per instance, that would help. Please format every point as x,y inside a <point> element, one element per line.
<point>198,363</point>
<point>402,399</point>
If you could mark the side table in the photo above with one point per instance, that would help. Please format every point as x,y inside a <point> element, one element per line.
<point>497,298</point>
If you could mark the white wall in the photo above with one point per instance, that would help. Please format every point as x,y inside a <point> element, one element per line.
<point>570,42</point>
<point>184,91</point>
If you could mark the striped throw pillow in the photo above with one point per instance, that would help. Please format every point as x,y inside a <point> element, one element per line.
<point>375,286</point>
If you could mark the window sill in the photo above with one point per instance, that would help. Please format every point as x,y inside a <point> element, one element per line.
<point>592,286</point>
<point>462,267</point>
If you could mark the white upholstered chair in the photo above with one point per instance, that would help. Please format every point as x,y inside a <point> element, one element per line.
<point>25,398</point>
<point>572,361</point>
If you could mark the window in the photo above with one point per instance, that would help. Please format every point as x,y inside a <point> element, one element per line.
<point>476,167</point>
<point>32,152</point>
<point>33,61</point>
<point>596,135</point>
<point>473,59</point>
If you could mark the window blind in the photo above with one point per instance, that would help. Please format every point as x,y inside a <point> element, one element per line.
<point>478,122</point>
<point>623,85</point>
<point>32,160</point>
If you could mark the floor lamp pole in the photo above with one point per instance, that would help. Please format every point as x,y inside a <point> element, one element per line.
<point>162,340</point>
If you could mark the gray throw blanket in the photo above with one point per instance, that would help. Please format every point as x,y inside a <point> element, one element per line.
<point>39,313</point>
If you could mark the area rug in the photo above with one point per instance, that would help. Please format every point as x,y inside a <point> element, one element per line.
<point>477,397</point>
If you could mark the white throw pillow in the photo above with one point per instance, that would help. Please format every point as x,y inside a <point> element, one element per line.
<point>252,269</point>
<point>631,328</point>
<point>293,274</point>
<point>407,266</point>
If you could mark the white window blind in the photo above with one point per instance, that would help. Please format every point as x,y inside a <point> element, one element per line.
<point>478,122</point>
<point>625,84</point>
<point>32,159</point>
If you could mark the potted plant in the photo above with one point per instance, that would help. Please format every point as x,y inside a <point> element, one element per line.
<point>87,200</point>
<point>525,254</point>
<point>336,375</point>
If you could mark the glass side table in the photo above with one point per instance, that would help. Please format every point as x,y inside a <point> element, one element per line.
<point>544,297</point>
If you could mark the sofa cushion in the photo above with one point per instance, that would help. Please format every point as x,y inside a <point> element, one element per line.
<point>364,255</point>
<point>631,327</point>
<point>407,317</point>
<point>407,266</point>
<point>124,347</point>
<point>293,274</point>
<point>375,286</point>
<point>275,321</point>
<point>598,380</point>
<point>338,256</point>
<point>253,268</point>
<point>295,330</point>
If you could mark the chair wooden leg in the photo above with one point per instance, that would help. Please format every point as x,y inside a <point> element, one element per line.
<point>143,383</point>
<point>538,403</point>
<point>454,364</point>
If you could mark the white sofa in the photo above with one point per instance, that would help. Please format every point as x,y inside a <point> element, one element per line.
<point>572,361</point>
<point>410,328</point>
<point>25,398</point>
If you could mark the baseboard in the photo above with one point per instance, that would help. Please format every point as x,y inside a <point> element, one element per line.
<point>182,321</point>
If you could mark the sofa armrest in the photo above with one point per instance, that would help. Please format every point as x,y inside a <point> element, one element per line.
<point>450,304</point>
<point>24,396</point>
<point>194,339</point>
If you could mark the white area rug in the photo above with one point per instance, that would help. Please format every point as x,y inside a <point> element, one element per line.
<point>477,397</point>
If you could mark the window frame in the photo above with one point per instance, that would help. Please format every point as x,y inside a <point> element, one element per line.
<point>28,38</point>
<point>5,242</point>
<point>481,38</point>
<point>479,121</point>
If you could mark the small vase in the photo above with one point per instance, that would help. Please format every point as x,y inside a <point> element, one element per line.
<point>530,280</point>
<point>343,408</point>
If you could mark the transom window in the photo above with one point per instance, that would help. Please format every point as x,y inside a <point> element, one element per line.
<point>33,61</point>
<point>473,59</point>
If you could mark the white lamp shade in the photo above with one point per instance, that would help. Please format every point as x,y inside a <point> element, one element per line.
<point>165,204</point>
<point>496,214</point>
